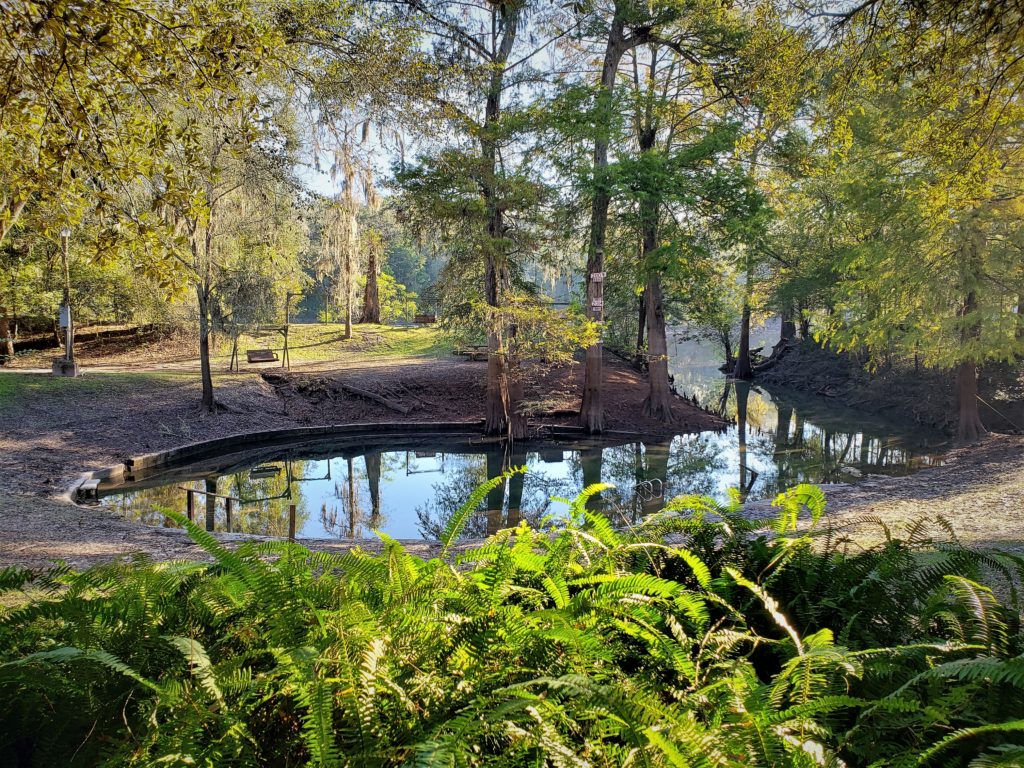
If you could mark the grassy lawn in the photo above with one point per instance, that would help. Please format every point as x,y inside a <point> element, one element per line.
<point>324,342</point>
<point>17,387</point>
<point>312,343</point>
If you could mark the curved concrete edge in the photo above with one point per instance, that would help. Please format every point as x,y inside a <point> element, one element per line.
<point>269,437</point>
<point>248,440</point>
<point>86,484</point>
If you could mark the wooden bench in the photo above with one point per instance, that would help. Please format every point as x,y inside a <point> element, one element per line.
<point>261,356</point>
<point>473,352</point>
<point>425,319</point>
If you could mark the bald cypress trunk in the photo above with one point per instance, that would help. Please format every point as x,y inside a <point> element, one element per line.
<point>6,338</point>
<point>743,370</point>
<point>501,414</point>
<point>591,462</point>
<point>371,295</point>
<point>496,496</point>
<point>742,395</point>
<point>372,461</point>
<point>658,404</point>
<point>969,426</point>
<point>591,408</point>
<point>638,353</point>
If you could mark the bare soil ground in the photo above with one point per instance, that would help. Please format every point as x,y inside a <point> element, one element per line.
<point>456,391</point>
<point>52,430</point>
<point>900,387</point>
<point>978,491</point>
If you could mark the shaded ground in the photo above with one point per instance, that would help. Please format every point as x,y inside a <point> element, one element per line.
<point>900,388</point>
<point>456,391</point>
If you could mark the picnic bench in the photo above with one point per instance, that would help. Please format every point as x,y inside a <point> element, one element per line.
<point>473,351</point>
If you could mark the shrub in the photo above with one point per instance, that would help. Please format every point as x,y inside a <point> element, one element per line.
<point>690,640</point>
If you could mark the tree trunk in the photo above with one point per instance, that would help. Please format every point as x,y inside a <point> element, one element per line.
<point>787,331</point>
<point>797,440</point>
<point>723,400</point>
<point>351,487</point>
<point>211,503</point>
<point>8,221</point>
<point>782,424</point>
<point>515,492</point>
<point>591,408</point>
<point>969,428</point>
<point>501,414</point>
<point>743,370</point>
<point>805,327</point>
<point>591,460</point>
<point>496,496</point>
<point>742,394</point>
<point>727,345</point>
<point>6,338</point>
<point>638,353</point>
<point>371,296</point>
<point>373,479</point>
<point>348,297</point>
<point>658,404</point>
<point>202,292</point>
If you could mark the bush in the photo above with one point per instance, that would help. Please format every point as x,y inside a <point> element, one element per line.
<point>690,640</point>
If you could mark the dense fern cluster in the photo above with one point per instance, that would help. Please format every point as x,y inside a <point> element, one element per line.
<point>691,640</point>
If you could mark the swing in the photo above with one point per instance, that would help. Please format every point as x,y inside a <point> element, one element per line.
<point>262,354</point>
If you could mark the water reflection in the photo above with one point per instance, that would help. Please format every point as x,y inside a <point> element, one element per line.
<point>414,493</point>
<point>411,489</point>
<point>783,437</point>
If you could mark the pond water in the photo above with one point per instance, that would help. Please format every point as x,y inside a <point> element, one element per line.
<point>409,487</point>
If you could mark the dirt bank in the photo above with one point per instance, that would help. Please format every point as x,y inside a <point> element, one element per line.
<point>899,388</point>
<point>457,392</point>
<point>979,491</point>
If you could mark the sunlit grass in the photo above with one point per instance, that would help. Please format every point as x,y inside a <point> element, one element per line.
<point>325,342</point>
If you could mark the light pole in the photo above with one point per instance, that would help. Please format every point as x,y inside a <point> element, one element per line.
<point>66,366</point>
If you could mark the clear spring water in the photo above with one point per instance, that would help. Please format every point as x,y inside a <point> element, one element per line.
<point>410,488</point>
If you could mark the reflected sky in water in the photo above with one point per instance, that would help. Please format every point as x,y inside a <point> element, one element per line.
<point>777,439</point>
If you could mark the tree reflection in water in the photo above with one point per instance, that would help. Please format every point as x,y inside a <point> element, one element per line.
<point>260,503</point>
<point>776,440</point>
<point>521,497</point>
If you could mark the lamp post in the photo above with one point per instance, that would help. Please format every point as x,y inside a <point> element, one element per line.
<point>66,366</point>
